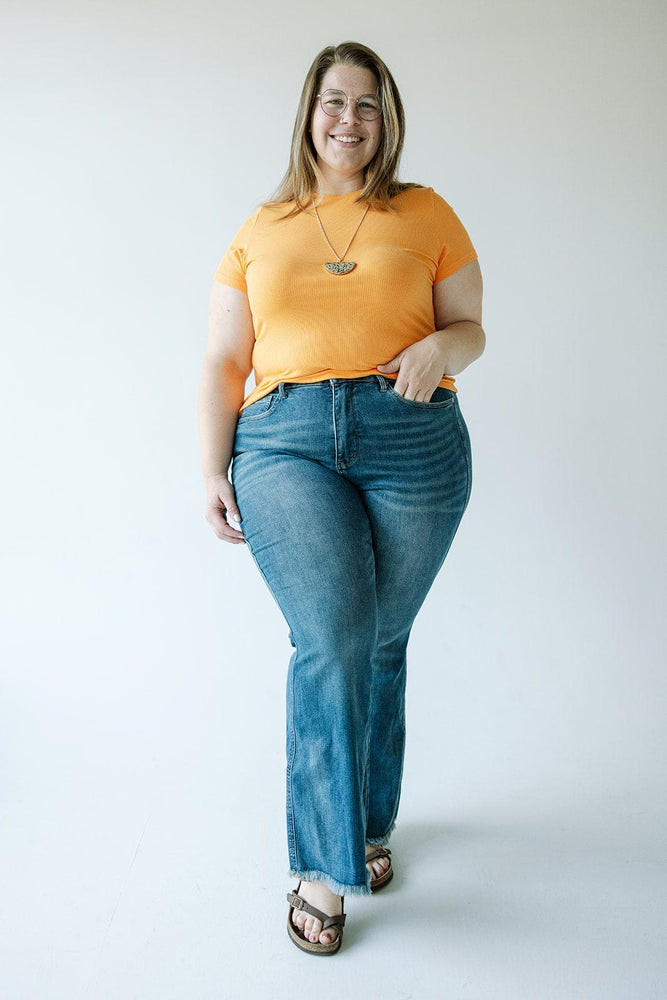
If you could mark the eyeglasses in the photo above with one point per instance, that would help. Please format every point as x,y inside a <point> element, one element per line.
<point>335,102</point>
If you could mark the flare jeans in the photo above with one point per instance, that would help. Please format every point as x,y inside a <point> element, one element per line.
<point>350,496</point>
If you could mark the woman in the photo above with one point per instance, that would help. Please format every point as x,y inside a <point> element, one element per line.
<point>355,299</point>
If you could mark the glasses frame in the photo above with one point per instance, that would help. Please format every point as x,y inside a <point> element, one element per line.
<point>335,90</point>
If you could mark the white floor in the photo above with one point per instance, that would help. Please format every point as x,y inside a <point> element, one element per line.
<point>172,888</point>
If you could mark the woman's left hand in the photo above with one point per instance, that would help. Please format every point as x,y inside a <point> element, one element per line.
<point>420,368</point>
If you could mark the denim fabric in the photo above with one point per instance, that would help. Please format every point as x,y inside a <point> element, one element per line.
<point>350,496</point>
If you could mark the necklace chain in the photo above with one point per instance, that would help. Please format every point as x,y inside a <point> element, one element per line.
<point>340,258</point>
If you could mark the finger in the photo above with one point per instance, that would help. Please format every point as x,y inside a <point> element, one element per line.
<point>401,385</point>
<point>391,366</point>
<point>409,392</point>
<point>415,391</point>
<point>227,500</point>
<point>216,518</point>
<point>233,511</point>
<point>229,534</point>
<point>232,535</point>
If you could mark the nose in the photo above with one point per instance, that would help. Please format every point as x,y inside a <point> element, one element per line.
<point>350,113</point>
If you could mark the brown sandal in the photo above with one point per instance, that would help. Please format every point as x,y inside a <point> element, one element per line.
<point>298,937</point>
<point>377,882</point>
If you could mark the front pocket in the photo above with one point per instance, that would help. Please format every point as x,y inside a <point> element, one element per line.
<point>440,399</point>
<point>260,408</point>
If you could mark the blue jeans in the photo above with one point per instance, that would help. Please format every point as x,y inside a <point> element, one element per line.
<point>350,497</point>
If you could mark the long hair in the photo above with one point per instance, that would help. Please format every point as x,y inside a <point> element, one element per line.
<point>303,180</point>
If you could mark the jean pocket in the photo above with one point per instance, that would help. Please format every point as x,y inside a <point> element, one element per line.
<point>260,408</point>
<point>440,399</point>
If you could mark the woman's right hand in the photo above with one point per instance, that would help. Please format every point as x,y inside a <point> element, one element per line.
<point>221,504</point>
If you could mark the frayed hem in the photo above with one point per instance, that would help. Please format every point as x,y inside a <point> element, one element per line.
<point>340,888</point>
<point>381,841</point>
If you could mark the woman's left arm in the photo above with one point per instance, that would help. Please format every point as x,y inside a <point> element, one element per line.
<point>458,340</point>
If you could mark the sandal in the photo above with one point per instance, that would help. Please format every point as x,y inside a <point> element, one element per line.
<point>298,937</point>
<point>378,881</point>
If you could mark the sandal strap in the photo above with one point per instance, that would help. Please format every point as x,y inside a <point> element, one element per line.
<point>379,852</point>
<point>337,920</point>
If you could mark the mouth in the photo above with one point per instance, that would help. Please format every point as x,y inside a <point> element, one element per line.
<point>346,139</point>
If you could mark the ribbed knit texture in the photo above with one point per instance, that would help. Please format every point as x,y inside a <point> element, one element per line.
<point>312,325</point>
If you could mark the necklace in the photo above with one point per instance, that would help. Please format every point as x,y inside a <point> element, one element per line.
<point>340,266</point>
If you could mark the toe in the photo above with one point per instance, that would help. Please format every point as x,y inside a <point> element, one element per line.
<point>313,928</point>
<point>379,866</point>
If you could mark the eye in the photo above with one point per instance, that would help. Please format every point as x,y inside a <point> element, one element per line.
<point>333,100</point>
<point>368,104</point>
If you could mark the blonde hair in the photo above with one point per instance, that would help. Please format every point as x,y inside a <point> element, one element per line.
<point>303,179</point>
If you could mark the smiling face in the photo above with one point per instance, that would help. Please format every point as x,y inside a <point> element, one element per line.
<point>345,145</point>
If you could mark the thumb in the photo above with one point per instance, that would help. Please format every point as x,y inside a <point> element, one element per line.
<point>391,366</point>
<point>233,511</point>
<point>228,500</point>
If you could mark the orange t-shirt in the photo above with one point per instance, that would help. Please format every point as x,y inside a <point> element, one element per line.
<point>311,325</point>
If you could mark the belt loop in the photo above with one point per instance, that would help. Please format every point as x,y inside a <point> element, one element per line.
<point>383,383</point>
<point>282,391</point>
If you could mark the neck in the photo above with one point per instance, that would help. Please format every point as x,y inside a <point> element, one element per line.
<point>333,183</point>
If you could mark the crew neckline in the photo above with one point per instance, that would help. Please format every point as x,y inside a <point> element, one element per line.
<point>347,194</point>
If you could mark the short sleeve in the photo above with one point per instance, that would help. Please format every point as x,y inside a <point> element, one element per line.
<point>232,268</point>
<point>456,248</point>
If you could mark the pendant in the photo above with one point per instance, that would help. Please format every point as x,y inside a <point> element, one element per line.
<point>340,266</point>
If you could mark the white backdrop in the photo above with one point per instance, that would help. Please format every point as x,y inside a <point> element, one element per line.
<point>143,663</point>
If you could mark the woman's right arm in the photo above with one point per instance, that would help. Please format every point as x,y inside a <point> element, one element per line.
<point>227,365</point>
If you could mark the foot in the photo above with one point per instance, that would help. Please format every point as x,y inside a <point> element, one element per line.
<point>321,897</point>
<point>378,866</point>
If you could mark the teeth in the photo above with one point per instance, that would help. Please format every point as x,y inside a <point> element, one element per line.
<point>347,138</point>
